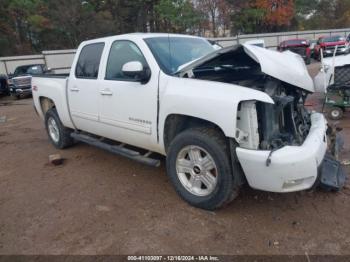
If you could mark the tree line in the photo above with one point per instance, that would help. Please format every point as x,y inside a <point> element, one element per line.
<point>29,26</point>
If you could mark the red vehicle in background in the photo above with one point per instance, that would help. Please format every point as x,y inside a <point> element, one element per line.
<point>298,46</point>
<point>328,44</point>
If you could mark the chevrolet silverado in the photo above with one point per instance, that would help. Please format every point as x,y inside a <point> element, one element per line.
<point>221,117</point>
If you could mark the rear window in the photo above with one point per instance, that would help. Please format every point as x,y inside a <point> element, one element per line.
<point>89,61</point>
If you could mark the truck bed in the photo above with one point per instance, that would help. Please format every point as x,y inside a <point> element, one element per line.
<point>53,86</point>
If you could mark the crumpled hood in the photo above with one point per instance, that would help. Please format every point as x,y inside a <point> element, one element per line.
<point>287,66</point>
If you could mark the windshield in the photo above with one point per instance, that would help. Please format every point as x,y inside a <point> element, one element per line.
<point>297,42</point>
<point>31,70</point>
<point>172,52</point>
<point>332,39</point>
<point>21,70</point>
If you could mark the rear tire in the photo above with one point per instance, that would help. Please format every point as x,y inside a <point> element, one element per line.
<point>199,167</point>
<point>59,135</point>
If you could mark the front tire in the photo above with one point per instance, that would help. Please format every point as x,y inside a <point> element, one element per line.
<point>59,135</point>
<point>199,167</point>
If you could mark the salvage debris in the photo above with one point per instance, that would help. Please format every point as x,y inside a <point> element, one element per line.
<point>103,208</point>
<point>333,175</point>
<point>336,139</point>
<point>56,159</point>
<point>2,119</point>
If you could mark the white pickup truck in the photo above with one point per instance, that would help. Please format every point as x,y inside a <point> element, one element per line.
<point>221,117</point>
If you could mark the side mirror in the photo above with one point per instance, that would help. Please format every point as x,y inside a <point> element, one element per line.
<point>135,69</point>
<point>47,70</point>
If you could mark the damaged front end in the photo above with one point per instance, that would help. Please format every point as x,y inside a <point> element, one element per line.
<point>282,145</point>
<point>260,125</point>
<point>287,122</point>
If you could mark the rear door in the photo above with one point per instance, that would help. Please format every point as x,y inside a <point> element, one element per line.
<point>83,90</point>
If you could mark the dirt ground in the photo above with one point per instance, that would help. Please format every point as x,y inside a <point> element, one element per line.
<point>99,203</point>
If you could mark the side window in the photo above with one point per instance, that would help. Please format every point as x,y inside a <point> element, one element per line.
<point>89,61</point>
<point>122,52</point>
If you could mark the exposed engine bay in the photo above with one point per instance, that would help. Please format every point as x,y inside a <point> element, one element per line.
<point>259,125</point>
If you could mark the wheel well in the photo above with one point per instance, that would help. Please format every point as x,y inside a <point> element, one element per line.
<point>175,124</point>
<point>46,104</point>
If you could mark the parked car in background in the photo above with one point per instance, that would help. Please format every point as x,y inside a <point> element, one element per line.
<point>328,45</point>
<point>298,46</point>
<point>3,85</point>
<point>19,83</point>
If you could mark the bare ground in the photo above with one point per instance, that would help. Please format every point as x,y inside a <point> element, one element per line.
<point>99,203</point>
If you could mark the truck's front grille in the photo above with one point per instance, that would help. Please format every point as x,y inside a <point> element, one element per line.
<point>25,81</point>
<point>333,47</point>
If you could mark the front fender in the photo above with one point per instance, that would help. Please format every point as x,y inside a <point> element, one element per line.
<point>215,102</point>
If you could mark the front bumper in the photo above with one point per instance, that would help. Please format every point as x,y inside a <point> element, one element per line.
<point>292,168</point>
<point>23,90</point>
<point>340,51</point>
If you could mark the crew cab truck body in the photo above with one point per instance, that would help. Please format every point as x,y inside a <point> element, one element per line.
<point>220,117</point>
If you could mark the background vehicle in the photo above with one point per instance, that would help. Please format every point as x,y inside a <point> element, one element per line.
<point>19,83</point>
<point>3,85</point>
<point>217,120</point>
<point>328,44</point>
<point>298,46</point>
<point>336,83</point>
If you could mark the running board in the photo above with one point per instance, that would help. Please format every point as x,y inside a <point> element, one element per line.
<point>117,149</point>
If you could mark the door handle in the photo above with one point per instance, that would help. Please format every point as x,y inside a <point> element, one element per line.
<point>74,89</point>
<point>106,92</point>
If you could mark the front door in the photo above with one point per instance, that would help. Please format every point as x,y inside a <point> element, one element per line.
<point>128,108</point>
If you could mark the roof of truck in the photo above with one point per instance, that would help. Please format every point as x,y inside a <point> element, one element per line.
<point>140,36</point>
